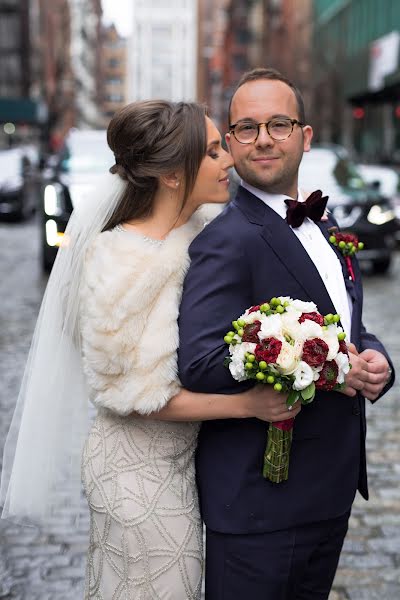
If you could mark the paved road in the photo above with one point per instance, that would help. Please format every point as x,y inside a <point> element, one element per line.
<point>50,565</point>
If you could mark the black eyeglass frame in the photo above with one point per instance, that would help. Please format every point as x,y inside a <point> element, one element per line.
<point>293,122</point>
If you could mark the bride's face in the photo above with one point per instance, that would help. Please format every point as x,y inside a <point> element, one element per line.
<point>212,179</point>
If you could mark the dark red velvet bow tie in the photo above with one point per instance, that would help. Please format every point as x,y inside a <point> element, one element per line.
<point>313,208</point>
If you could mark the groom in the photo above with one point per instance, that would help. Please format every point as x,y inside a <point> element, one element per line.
<point>270,541</point>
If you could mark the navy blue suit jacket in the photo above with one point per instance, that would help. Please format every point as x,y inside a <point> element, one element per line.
<point>247,255</point>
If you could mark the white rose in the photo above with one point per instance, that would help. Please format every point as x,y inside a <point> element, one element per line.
<point>284,299</point>
<point>309,330</point>
<point>270,327</point>
<point>342,361</point>
<point>304,376</point>
<point>287,359</point>
<point>236,368</point>
<point>252,317</point>
<point>291,325</point>
<point>304,307</point>
<point>330,337</point>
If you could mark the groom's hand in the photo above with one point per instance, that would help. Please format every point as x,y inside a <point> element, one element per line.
<point>379,373</point>
<point>266,404</point>
<point>358,376</point>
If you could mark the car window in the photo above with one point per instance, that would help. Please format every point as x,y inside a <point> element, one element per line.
<point>91,155</point>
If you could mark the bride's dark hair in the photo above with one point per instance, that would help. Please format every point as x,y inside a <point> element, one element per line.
<point>153,138</point>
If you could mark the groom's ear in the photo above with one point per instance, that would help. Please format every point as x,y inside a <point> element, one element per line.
<point>228,140</point>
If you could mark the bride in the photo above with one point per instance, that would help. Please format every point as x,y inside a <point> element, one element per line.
<point>107,330</point>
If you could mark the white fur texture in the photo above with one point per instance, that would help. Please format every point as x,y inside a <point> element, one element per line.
<point>129,308</point>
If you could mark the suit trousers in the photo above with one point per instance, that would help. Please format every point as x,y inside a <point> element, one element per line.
<point>293,564</point>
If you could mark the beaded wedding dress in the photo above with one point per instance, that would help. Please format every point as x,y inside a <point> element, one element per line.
<point>138,473</point>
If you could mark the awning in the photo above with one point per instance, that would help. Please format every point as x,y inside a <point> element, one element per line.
<point>22,110</point>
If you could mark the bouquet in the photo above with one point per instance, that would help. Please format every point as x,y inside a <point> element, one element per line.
<point>288,344</point>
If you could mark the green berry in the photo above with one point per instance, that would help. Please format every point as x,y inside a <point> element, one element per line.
<point>278,387</point>
<point>241,322</point>
<point>270,379</point>
<point>332,239</point>
<point>228,339</point>
<point>263,365</point>
<point>341,336</point>
<point>240,332</point>
<point>265,307</point>
<point>329,318</point>
<point>336,318</point>
<point>342,244</point>
<point>248,366</point>
<point>260,376</point>
<point>280,309</point>
<point>251,358</point>
<point>360,245</point>
<point>235,325</point>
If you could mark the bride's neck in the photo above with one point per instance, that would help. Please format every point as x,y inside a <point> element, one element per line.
<point>166,215</point>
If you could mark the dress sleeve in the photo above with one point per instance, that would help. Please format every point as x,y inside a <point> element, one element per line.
<point>117,296</point>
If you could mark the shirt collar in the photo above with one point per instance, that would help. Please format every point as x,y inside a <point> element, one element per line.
<point>274,201</point>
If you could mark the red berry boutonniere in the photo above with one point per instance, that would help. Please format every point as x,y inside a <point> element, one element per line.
<point>348,245</point>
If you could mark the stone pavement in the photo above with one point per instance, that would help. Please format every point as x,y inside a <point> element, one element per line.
<point>49,565</point>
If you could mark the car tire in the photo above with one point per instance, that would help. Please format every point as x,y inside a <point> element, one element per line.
<point>380,267</point>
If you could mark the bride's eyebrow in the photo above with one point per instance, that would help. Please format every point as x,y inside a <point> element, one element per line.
<point>213,143</point>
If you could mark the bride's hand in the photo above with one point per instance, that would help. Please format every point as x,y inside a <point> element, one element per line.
<point>266,404</point>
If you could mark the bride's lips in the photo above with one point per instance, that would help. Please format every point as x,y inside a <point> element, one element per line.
<point>224,180</point>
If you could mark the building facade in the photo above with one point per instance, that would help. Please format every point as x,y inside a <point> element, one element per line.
<point>86,61</point>
<point>357,75</point>
<point>163,50</point>
<point>237,35</point>
<point>114,58</point>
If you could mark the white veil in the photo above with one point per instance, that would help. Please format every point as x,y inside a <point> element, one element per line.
<point>44,443</point>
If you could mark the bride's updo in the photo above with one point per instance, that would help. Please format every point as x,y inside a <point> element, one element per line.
<point>153,138</point>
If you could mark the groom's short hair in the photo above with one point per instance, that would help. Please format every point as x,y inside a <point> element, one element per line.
<point>272,74</point>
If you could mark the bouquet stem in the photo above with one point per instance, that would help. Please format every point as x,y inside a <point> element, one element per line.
<point>277,452</point>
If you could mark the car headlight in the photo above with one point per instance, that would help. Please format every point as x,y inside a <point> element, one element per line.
<point>379,215</point>
<point>53,200</point>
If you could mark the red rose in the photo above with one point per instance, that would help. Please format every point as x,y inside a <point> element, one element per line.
<point>254,308</point>
<point>312,316</point>
<point>250,332</point>
<point>315,352</point>
<point>343,347</point>
<point>328,376</point>
<point>268,350</point>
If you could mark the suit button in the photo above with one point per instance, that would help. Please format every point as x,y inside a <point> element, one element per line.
<point>356,410</point>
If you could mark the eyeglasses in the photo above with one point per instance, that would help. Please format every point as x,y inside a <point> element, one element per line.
<point>279,129</point>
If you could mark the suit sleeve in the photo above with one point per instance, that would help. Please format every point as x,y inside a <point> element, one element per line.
<point>370,341</point>
<point>217,290</point>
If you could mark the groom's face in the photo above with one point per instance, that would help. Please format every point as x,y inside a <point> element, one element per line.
<point>269,165</point>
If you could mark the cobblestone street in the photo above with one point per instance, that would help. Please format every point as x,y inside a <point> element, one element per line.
<point>50,565</point>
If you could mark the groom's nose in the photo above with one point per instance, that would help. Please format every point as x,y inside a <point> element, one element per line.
<point>263,139</point>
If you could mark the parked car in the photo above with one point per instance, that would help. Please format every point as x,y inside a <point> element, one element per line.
<point>67,181</point>
<point>358,207</point>
<point>18,184</point>
<point>387,181</point>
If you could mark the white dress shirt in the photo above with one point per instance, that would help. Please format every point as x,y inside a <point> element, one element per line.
<point>319,250</point>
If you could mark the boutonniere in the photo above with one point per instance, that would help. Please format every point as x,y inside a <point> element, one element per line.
<point>348,245</point>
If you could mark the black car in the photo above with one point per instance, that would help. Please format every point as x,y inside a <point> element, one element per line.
<point>18,184</point>
<point>67,181</point>
<point>358,208</point>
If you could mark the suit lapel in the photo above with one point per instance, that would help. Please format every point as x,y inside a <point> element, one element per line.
<point>287,247</point>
